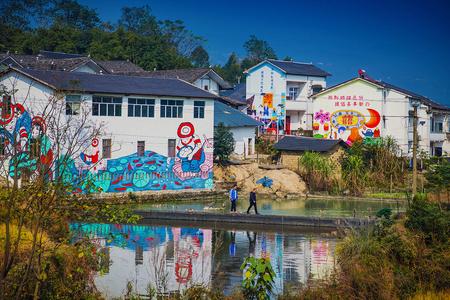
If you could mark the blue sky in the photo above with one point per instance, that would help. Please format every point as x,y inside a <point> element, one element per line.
<point>406,43</point>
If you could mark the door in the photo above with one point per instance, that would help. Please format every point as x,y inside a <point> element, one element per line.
<point>171,147</point>
<point>288,125</point>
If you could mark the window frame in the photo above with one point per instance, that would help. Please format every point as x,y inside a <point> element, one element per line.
<point>70,103</point>
<point>296,92</point>
<point>108,106</point>
<point>148,103</point>
<point>199,109</point>
<point>170,108</point>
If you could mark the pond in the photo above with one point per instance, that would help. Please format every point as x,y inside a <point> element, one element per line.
<point>168,258</point>
<point>334,207</point>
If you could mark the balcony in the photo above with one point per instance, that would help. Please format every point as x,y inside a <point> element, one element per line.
<point>437,136</point>
<point>297,105</point>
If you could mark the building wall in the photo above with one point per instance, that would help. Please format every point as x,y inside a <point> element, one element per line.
<point>213,87</point>
<point>375,112</point>
<point>359,110</point>
<point>125,170</point>
<point>268,79</point>
<point>241,136</point>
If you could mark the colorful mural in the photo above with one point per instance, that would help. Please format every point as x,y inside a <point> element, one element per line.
<point>34,155</point>
<point>355,121</point>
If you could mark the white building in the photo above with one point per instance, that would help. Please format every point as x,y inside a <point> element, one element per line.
<point>364,108</point>
<point>280,91</point>
<point>241,125</point>
<point>158,133</point>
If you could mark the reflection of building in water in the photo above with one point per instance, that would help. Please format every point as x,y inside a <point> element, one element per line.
<point>297,260</point>
<point>322,257</point>
<point>168,259</point>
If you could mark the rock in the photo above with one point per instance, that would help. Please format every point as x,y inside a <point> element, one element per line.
<point>284,181</point>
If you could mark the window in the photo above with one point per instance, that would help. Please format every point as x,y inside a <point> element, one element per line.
<point>317,88</point>
<point>6,106</point>
<point>171,108</point>
<point>293,93</point>
<point>141,107</point>
<point>106,106</point>
<point>206,87</point>
<point>140,148</point>
<point>199,109</point>
<point>437,126</point>
<point>106,151</point>
<point>171,144</point>
<point>73,104</point>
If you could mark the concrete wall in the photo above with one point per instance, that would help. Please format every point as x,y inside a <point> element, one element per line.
<point>268,79</point>
<point>125,170</point>
<point>241,136</point>
<point>212,85</point>
<point>376,112</point>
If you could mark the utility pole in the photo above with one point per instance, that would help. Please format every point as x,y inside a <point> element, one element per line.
<point>415,104</point>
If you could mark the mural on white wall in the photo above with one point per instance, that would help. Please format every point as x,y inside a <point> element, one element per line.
<point>348,117</point>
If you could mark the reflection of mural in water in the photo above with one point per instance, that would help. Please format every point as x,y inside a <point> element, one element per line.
<point>349,125</point>
<point>172,258</point>
<point>34,155</point>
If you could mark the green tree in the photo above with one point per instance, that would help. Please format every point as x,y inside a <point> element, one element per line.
<point>139,20</point>
<point>200,58</point>
<point>223,142</point>
<point>257,51</point>
<point>438,177</point>
<point>73,14</point>
<point>231,70</point>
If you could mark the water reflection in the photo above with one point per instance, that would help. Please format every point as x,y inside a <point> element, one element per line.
<point>173,258</point>
<point>291,207</point>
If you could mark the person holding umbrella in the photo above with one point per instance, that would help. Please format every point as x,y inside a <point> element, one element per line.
<point>252,200</point>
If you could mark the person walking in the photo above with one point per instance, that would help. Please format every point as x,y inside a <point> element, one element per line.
<point>252,200</point>
<point>233,198</point>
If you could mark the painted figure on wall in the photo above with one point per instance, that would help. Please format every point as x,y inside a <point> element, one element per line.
<point>190,148</point>
<point>349,125</point>
<point>192,160</point>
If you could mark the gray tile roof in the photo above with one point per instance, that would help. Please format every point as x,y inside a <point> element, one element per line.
<point>116,84</point>
<point>236,95</point>
<point>123,67</point>
<point>302,143</point>
<point>48,60</point>
<point>58,55</point>
<point>189,75</point>
<point>231,117</point>
<point>425,100</point>
<point>297,68</point>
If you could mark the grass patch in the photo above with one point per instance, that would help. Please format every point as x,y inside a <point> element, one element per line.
<point>386,195</point>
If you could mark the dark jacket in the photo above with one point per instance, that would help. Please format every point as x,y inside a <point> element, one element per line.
<point>252,197</point>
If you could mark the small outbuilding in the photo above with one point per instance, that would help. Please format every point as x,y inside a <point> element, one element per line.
<point>292,147</point>
<point>241,125</point>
